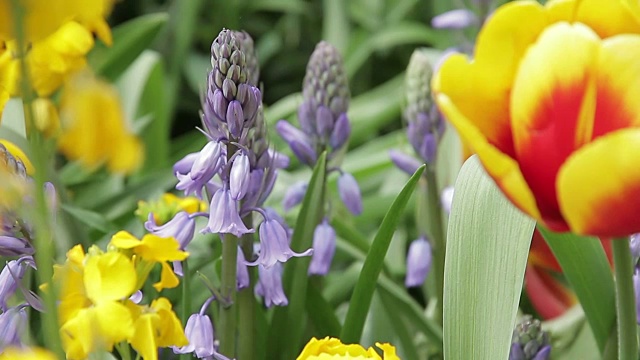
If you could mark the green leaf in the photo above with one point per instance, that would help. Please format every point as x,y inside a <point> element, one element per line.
<point>487,247</point>
<point>93,219</point>
<point>143,93</point>
<point>363,292</point>
<point>584,264</point>
<point>129,40</point>
<point>13,117</point>
<point>321,314</point>
<point>288,322</point>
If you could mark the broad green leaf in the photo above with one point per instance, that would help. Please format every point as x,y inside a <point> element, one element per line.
<point>365,287</point>
<point>143,94</point>
<point>487,247</point>
<point>584,264</point>
<point>321,314</point>
<point>93,219</point>
<point>288,322</point>
<point>129,40</point>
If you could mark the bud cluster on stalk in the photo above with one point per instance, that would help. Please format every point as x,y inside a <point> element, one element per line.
<point>529,341</point>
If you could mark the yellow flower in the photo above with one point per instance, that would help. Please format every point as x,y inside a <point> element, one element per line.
<point>45,116</point>
<point>92,15</point>
<point>150,250</point>
<point>156,326</point>
<point>332,348</point>
<point>549,104</point>
<point>93,127</point>
<point>14,185</point>
<point>14,353</point>
<point>93,288</point>
<point>168,206</point>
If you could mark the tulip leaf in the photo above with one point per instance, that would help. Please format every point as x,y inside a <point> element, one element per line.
<point>129,40</point>
<point>321,314</point>
<point>287,327</point>
<point>584,264</point>
<point>487,247</point>
<point>365,287</point>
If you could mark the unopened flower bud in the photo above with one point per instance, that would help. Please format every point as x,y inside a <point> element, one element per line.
<point>529,342</point>
<point>418,262</point>
<point>350,193</point>
<point>324,247</point>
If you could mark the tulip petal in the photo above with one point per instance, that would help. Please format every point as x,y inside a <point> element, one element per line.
<point>503,169</point>
<point>552,108</point>
<point>608,18</point>
<point>618,85</point>
<point>600,180</point>
<point>480,88</point>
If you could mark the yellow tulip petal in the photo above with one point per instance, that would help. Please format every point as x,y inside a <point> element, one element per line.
<point>389,351</point>
<point>599,186</point>
<point>608,18</point>
<point>480,88</point>
<point>503,169</point>
<point>552,108</point>
<point>109,277</point>
<point>618,84</point>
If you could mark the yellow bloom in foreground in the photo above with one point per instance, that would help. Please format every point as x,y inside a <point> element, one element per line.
<point>333,349</point>
<point>150,250</point>
<point>91,309</point>
<point>94,129</point>
<point>13,353</point>
<point>156,326</point>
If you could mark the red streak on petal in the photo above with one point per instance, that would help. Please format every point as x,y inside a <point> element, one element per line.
<point>551,140</point>
<point>612,113</point>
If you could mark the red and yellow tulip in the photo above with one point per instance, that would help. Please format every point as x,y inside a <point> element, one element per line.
<point>550,105</point>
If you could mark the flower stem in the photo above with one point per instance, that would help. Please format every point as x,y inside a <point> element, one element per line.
<point>625,300</point>
<point>186,299</point>
<point>228,311</point>
<point>247,303</point>
<point>45,252</point>
<point>436,230</point>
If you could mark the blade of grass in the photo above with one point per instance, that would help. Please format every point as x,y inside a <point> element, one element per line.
<point>487,247</point>
<point>365,287</point>
<point>584,264</point>
<point>288,323</point>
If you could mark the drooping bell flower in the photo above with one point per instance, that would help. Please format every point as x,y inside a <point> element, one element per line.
<point>270,286</point>
<point>324,247</point>
<point>550,111</point>
<point>418,262</point>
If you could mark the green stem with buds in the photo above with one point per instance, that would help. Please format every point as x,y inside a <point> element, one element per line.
<point>247,303</point>
<point>45,252</point>
<point>228,311</point>
<point>436,230</point>
<point>625,300</point>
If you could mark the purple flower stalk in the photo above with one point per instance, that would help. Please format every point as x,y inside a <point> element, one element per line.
<point>235,170</point>
<point>418,262</point>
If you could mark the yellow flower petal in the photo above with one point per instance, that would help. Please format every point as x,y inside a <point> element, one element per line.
<point>143,339</point>
<point>45,116</point>
<point>601,179</point>
<point>503,169</point>
<point>19,154</point>
<point>168,279</point>
<point>20,353</point>
<point>124,240</point>
<point>42,18</point>
<point>155,248</point>
<point>170,332</point>
<point>388,350</point>
<point>109,277</point>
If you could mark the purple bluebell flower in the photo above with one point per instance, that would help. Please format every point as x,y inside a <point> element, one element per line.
<point>15,246</point>
<point>404,162</point>
<point>239,176</point>
<point>294,195</point>
<point>242,273</point>
<point>634,244</point>
<point>200,334</point>
<point>182,227</point>
<point>324,247</point>
<point>136,297</point>
<point>418,262</point>
<point>350,193</point>
<point>224,217</point>
<point>455,19</point>
<point>13,321</point>
<point>204,165</point>
<point>12,272</point>
<point>270,285</point>
<point>529,341</point>
<point>274,244</point>
<point>636,287</point>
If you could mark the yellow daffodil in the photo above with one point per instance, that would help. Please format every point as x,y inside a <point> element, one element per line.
<point>156,326</point>
<point>549,104</point>
<point>14,353</point>
<point>94,129</point>
<point>92,295</point>
<point>168,205</point>
<point>150,250</point>
<point>332,348</point>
